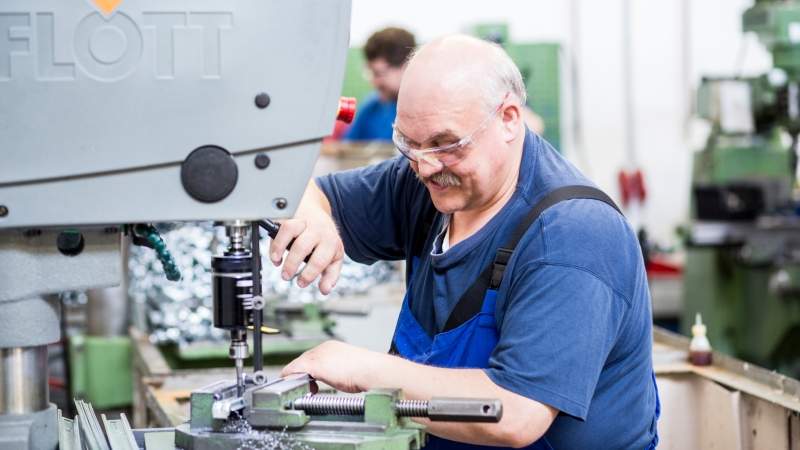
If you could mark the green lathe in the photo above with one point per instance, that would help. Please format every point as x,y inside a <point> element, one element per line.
<point>743,259</point>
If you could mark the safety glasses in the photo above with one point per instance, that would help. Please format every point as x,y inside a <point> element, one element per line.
<point>445,155</point>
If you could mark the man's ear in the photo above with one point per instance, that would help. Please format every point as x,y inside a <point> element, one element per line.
<point>511,117</point>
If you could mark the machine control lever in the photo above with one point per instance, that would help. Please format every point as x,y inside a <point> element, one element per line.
<point>272,229</point>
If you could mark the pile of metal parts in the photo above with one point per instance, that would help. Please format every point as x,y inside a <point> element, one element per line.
<point>182,312</point>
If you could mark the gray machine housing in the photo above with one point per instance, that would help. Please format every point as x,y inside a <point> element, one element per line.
<point>101,104</point>
<point>100,110</point>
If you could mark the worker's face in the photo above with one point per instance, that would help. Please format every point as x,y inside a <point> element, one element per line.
<point>385,78</point>
<point>475,180</point>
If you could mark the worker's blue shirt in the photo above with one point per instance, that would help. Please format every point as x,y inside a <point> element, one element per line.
<point>573,311</point>
<point>373,121</point>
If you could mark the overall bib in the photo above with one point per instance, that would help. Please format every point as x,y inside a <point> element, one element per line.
<point>470,333</point>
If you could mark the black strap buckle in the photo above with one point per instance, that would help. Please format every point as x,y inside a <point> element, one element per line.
<point>501,259</point>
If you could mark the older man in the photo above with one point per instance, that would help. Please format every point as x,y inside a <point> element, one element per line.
<point>524,282</point>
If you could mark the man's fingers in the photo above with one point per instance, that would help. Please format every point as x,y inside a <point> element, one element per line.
<point>330,276</point>
<point>293,367</point>
<point>301,248</point>
<point>319,261</point>
<point>289,230</point>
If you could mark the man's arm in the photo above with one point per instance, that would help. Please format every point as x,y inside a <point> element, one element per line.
<point>364,209</point>
<point>352,369</point>
<point>314,233</point>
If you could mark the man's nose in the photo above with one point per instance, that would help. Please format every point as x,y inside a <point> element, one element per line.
<point>428,165</point>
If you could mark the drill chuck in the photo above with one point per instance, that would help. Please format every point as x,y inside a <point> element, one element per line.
<point>233,290</point>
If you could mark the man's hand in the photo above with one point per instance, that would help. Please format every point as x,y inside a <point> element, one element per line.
<point>340,365</point>
<point>315,234</point>
<point>353,369</point>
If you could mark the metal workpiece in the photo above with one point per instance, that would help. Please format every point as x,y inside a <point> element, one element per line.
<point>119,432</point>
<point>23,380</point>
<point>89,426</point>
<point>222,409</point>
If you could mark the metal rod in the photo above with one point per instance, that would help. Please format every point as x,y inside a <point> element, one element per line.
<point>23,380</point>
<point>258,317</point>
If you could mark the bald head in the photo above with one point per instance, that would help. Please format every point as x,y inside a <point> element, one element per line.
<point>463,96</point>
<point>462,67</point>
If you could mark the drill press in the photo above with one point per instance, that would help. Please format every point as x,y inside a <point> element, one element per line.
<point>136,112</point>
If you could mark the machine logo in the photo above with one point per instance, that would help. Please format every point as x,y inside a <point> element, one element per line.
<point>107,7</point>
<point>111,43</point>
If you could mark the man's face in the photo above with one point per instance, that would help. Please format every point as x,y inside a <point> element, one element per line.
<point>472,182</point>
<point>385,78</point>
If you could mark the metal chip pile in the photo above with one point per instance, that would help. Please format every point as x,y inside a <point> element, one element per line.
<point>263,440</point>
<point>181,312</point>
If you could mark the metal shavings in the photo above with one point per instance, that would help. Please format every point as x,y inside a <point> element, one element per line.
<point>181,312</point>
<point>252,439</point>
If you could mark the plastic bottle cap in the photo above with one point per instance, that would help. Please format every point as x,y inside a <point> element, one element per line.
<point>698,329</point>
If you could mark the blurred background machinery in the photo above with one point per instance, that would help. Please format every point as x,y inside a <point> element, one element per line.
<point>742,267</point>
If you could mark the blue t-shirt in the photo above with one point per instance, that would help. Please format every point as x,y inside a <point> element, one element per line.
<point>373,122</point>
<point>573,310</point>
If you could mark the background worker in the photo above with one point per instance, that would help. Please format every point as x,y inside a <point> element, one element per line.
<point>386,52</point>
<point>523,281</point>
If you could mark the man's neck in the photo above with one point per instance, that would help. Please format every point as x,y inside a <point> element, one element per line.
<point>464,224</point>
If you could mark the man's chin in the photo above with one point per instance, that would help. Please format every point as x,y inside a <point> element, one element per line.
<point>446,205</point>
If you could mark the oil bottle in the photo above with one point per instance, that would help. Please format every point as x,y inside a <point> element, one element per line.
<point>699,347</point>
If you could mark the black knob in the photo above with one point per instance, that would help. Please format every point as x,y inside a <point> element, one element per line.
<point>70,242</point>
<point>209,174</point>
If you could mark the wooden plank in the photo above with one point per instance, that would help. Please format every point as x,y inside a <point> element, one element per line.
<point>147,359</point>
<point>749,386</point>
<point>764,424</point>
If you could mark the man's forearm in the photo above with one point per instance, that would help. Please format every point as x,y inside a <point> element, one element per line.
<point>523,422</point>
<point>313,201</point>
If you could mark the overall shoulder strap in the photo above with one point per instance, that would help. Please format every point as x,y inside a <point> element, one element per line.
<point>425,223</point>
<point>490,278</point>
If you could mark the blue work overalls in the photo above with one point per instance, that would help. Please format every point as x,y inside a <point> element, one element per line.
<point>470,334</point>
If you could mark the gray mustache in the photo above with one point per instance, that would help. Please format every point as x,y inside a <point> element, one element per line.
<point>444,179</point>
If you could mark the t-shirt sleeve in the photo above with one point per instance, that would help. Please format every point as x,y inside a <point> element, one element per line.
<point>560,324</point>
<point>370,208</point>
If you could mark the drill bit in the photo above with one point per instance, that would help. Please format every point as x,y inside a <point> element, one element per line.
<point>239,376</point>
<point>238,352</point>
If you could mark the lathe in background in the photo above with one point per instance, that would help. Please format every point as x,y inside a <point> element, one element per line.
<point>743,259</point>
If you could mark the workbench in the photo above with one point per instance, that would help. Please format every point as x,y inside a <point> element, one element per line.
<point>729,405</point>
